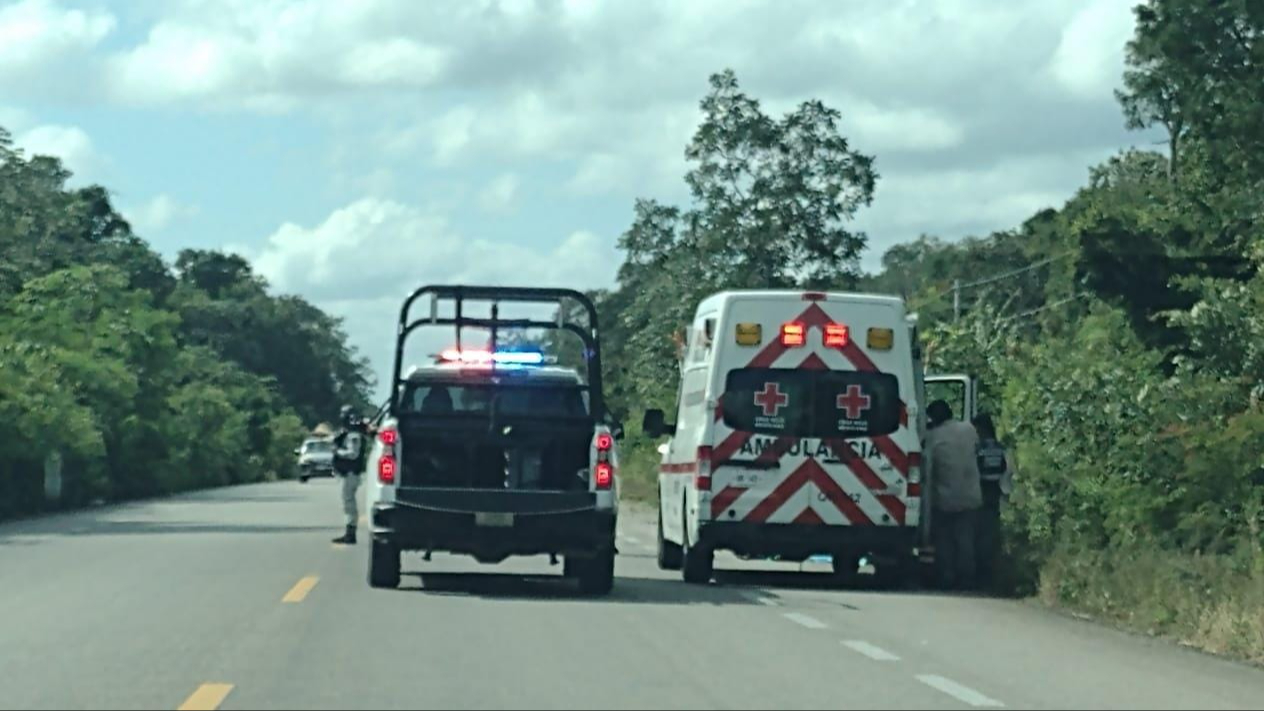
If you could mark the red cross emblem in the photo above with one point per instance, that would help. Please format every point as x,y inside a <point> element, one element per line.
<point>771,399</point>
<point>854,402</point>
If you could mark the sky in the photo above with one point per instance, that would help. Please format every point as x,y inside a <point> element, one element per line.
<point>355,150</point>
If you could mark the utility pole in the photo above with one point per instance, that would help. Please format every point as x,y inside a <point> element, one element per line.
<point>956,300</point>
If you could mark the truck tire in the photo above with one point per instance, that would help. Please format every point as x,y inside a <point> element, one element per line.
<point>670,555</point>
<point>383,566</point>
<point>697,562</point>
<point>596,575</point>
<point>302,478</point>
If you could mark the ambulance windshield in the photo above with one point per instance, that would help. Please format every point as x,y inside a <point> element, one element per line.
<point>812,403</point>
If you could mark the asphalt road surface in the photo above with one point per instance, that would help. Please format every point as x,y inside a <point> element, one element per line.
<point>235,599</point>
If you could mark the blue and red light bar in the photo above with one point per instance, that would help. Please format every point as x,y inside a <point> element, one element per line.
<point>482,357</point>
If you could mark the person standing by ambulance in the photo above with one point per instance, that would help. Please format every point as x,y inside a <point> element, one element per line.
<point>951,454</point>
<point>350,453</point>
<point>993,471</point>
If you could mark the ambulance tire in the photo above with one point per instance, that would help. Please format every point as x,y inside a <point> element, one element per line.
<point>902,574</point>
<point>670,555</point>
<point>697,562</point>
<point>383,566</point>
<point>846,567</point>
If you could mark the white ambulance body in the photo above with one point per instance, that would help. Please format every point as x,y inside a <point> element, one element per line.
<point>798,433</point>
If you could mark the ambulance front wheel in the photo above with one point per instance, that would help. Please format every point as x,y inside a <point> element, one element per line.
<point>697,561</point>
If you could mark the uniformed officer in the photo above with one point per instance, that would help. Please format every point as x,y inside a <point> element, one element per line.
<point>350,453</point>
<point>993,470</point>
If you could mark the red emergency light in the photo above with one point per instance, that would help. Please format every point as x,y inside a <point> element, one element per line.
<point>794,334</point>
<point>837,335</point>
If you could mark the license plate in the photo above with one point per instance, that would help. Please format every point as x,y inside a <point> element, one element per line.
<point>494,520</point>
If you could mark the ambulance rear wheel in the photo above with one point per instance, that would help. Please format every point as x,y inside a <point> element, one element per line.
<point>697,562</point>
<point>670,555</point>
<point>384,565</point>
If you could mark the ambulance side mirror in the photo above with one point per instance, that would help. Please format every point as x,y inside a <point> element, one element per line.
<point>655,424</point>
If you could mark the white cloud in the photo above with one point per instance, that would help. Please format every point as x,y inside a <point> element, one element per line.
<point>500,194</point>
<point>364,258</point>
<point>375,247</point>
<point>36,31</point>
<point>157,214</point>
<point>69,143</point>
<point>1089,60</point>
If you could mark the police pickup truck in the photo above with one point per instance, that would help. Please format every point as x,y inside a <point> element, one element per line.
<point>490,451</point>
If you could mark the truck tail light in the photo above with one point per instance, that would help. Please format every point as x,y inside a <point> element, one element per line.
<point>603,476</point>
<point>702,477</point>
<point>386,469</point>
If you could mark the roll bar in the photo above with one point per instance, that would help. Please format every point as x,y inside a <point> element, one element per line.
<point>459,295</point>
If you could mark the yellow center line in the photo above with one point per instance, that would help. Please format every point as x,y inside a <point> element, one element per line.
<point>208,697</point>
<point>298,593</point>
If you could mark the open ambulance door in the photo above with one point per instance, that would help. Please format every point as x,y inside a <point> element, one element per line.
<point>961,392</point>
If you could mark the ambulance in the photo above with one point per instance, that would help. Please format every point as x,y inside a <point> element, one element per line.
<point>798,431</point>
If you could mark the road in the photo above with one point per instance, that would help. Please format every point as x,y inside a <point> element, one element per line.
<point>235,599</point>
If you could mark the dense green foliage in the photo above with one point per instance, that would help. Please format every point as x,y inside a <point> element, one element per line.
<point>1118,337</point>
<point>143,379</point>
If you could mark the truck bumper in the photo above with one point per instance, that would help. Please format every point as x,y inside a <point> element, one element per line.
<point>493,525</point>
<point>800,542</point>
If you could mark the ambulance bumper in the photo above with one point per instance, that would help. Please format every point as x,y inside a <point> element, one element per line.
<point>800,542</point>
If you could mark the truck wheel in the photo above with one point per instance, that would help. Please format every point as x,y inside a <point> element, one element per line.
<point>383,565</point>
<point>670,555</point>
<point>697,562</point>
<point>302,478</point>
<point>596,575</point>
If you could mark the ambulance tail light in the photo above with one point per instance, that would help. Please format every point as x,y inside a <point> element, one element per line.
<point>603,476</point>
<point>794,334</point>
<point>386,469</point>
<point>702,477</point>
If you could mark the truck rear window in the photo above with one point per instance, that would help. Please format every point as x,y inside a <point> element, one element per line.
<point>439,399</point>
<point>812,403</point>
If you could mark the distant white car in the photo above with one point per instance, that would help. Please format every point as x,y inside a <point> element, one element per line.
<point>315,458</point>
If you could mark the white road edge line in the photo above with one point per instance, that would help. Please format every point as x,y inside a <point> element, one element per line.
<point>877,654</point>
<point>810,622</point>
<point>961,693</point>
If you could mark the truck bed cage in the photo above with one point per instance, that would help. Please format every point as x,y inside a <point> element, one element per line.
<point>496,295</point>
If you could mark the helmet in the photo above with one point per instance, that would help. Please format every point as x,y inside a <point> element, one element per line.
<point>347,415</point>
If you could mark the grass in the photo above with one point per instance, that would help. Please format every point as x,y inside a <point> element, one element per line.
<point>1214,603</point>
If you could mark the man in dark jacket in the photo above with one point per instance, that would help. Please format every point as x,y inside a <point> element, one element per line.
<point>951,462</point>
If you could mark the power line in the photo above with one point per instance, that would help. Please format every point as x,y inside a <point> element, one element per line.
<point>1046,307</point>
<point>958,286</point>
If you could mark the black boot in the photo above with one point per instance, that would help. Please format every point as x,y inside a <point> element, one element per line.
<point>348,538</point>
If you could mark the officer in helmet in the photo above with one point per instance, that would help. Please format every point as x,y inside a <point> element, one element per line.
<point>351,448</point>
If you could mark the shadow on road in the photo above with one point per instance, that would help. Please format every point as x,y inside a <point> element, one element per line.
<point>544,588</point>
<point>144,528</point>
